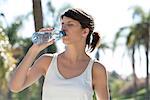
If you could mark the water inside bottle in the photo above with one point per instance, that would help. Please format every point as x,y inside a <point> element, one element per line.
<point>42,37</point>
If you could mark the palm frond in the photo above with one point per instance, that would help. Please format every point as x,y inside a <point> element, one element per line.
<point>118,35</point>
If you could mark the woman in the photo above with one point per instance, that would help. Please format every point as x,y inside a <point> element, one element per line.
<point>72,74</point>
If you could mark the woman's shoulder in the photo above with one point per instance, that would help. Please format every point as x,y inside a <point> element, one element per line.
<point>44,61</point>
<point>46,58</point>
<point>99,74</point>
<point>98,68</point>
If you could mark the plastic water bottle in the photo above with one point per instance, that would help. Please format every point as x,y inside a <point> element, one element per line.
<point>43,37</point>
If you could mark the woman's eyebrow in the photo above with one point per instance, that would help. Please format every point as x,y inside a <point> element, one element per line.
<point>67,22</point>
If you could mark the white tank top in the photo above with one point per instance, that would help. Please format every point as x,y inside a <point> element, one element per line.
<point>56,87</point>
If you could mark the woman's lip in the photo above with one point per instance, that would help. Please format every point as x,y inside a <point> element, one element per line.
<point>65,34</point>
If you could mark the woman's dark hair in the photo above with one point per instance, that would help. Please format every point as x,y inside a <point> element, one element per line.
<point>86,21</point>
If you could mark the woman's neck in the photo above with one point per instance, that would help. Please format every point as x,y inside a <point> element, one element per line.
<point>74,54</point>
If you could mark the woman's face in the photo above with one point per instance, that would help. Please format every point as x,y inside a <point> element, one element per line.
<point>73,30</point>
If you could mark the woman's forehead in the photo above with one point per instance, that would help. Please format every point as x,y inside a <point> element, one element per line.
<point>68,19</point>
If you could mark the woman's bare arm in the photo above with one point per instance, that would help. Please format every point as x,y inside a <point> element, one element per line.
<point>100,82</point>
<point>23,71</point>
<point>25,74</point>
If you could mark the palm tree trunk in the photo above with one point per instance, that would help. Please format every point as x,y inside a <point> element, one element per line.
<point>147,65</point>
<point>134,74</point>
<point>38,22</point>
<point>97,55</point>
<point>37,13</point>
<point>147,75</point>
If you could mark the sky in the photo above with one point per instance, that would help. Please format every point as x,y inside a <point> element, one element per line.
<point>109,16</point>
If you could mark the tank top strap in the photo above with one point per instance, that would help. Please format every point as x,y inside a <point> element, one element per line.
<point>54,61</point>
<point>51,65</point>
<point>89,69</point>
<point>55,57</point>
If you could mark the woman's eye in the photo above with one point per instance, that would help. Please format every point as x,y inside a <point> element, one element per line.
<point>70,24</point>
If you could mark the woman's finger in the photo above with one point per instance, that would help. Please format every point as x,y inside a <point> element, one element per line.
<point>45,29</point>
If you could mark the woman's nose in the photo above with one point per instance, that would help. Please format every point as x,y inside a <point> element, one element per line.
<point>64,27</point>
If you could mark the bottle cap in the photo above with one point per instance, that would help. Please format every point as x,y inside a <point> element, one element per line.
<point>63,33</point>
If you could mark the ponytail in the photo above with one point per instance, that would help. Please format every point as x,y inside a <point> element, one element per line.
<point>94,42</point>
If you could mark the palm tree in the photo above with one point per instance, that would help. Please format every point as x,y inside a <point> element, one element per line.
<point>130,44</point>
<point>143,30</point>
<point>138,35</point>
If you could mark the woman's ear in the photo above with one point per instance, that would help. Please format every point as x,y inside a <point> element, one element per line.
<point>85,32</point>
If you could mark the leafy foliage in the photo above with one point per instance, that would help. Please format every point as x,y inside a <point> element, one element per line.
<point>7,63</point>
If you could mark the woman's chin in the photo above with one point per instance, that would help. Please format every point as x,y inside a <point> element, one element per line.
<point>65,40</point>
